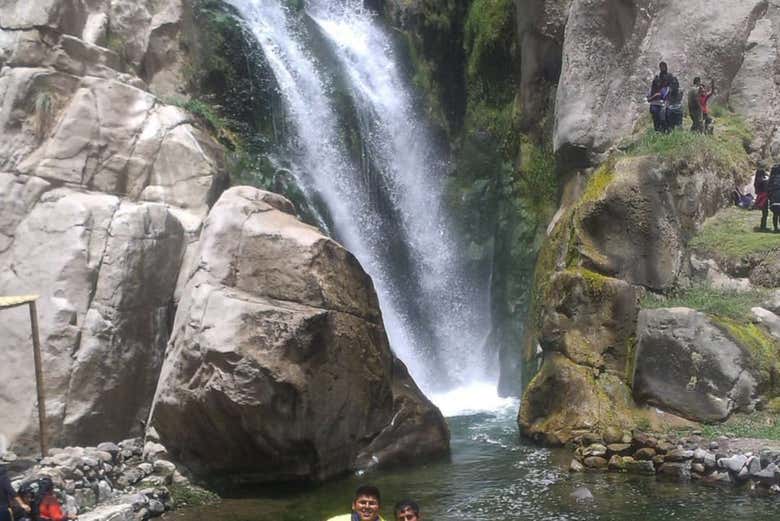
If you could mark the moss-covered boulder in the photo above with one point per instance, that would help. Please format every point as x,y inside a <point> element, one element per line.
<point>589,318</point>
<point>637,216</point>
<point>696,366</point>
<point>565,399</point>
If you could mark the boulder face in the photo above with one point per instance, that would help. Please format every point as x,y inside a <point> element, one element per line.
<point>686,364</point>
<point>279,367</point>
<point>105,269</point>
<point>637,228</point>
<point>611,52</point>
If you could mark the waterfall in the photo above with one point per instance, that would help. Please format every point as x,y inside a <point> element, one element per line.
<point>385,203</point>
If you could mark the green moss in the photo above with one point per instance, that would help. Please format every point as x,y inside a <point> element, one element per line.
<point>43,111</point>
<point>192,496</point>
<point>762,425</point>
<point>773,407</point>
<point>731,235</point>
<point>762,347</point>
<point>489,28</point>
<point>726,150</point>
<point>631,343</point>
<point>597,284</point>
<point>734,305</point>
<point>598,182</point>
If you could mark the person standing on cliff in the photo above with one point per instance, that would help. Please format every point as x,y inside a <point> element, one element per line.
<point>762,197</point>
<point>656,98</point>
<point>694,106</point>
<point>674,111</point>
<point>773,190</point>
<point>704,98</point>
<point>365,506</point>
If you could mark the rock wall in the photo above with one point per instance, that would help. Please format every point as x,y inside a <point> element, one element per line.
<point>625,220</point>
<point>104,189</point>
<point>612,48</point>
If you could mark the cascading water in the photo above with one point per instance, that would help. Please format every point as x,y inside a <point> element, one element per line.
<point>386,207</point>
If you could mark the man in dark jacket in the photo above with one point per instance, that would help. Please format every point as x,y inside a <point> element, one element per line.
<point>773,190</point>
<point>7,495</point>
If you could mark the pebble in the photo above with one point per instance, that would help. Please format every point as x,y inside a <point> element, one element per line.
<point>581,494</point>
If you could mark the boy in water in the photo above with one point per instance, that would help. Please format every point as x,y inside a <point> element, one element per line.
<point>407,510</point>
<point>365,506</point>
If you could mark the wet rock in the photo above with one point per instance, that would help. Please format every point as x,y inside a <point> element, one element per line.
<point>678,455</point>
<point>622,449</point>
<point>616,463</point>
<point>767,476</point>
<point>581,494</point>
<point>595,449</point>
<point>576,466</point>
<point>680,471</point>
<point>595,462</point>
<point>733,464</point>
<point>645,453</point>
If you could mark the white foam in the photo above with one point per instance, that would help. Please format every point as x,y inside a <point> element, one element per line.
<point>473,398</point>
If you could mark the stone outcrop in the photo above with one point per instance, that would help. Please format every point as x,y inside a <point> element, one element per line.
<point>104,188</point>
<point>637,228</point>
<point>612,48</point>
<point>279,366</point>
<point>686,364</point>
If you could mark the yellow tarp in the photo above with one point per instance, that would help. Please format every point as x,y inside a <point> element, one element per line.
<point>17,300</point>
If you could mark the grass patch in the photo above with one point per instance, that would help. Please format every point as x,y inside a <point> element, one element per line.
<point>192,496</point>
<point>763,348</point>
<point>734,305</point>
<point>764,425</point>
<point>730,233</point>
<point>726,148</point>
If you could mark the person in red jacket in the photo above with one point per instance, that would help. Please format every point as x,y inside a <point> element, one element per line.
<point>50,509</point>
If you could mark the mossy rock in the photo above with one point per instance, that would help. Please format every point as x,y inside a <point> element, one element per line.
<point>764,351</point>
<point>589,318</point>
<point>565,398</point>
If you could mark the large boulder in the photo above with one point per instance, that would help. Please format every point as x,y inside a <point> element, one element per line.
<point>279,367</point>
<point>589,318</point>
<point>105,271</point>
<point>689,365</point>
<point>612,49</point>
<point>637,227</point>
<point>565,399</point>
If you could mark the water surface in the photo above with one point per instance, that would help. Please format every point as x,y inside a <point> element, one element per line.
<point>494,476</point>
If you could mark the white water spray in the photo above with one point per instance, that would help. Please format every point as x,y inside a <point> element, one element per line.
<point>444,348</point>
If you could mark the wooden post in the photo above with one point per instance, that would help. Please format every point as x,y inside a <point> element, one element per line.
<point>39,378</point>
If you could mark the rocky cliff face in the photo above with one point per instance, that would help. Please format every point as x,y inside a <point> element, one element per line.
<point>630,213</point>
<point>104,189</point>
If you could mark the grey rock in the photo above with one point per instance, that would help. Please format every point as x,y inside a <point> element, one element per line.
<point>111,448</point>
<point>164,468</point>
<point>261,266</point>
<point>595,449</point>
<point>734,463</point>
<point>680,471</point>
<point>576,466</point>
<point>686,364</point>
<point>767,476</point>
<point>581,494</point>
<point>156,507</point>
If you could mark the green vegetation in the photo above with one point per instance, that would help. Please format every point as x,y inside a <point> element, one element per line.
<point>599,181</point>
<point>43,113</point>
<point>731,234</point>
<point>733,305</point>
<point>192,496</point>
<point>763,424</point>
<point>726,149</point>
<point>763,348</point>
